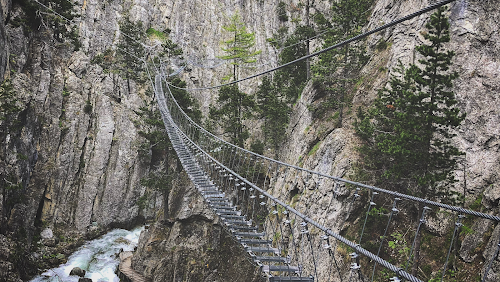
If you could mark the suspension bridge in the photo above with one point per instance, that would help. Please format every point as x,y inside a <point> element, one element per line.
<point>281,237</point>
<point>287,244</point>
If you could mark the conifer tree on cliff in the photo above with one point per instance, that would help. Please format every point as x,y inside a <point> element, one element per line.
<point>235,106</point>
<point>337,69</point>
<point>409,129</point>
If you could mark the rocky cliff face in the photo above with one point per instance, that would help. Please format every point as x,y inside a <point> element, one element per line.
<point>76,151</point>
<point>71,162</point>
<point>4,10</point>
<point>476,43</point>
<point>191,245</point>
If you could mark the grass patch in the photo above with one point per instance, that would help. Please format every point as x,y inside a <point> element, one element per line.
<point>153,33</point>
<point>314,149</point>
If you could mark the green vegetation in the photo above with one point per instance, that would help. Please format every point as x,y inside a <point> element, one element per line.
<point>274,111</point>
<point>257,147</point>
<point>36,17</point>
<point>314,149</point>
<point>337,70</point>
<point>239,46</point>
<point>408,131</point>
<point>130,51</point>
<point>291,80</point>
<point>189,105</point>
<point>153,33</point>
<point>281,11</point>
<point>8,105</point>
<point>157,151</point>
<point>234,106</point>
<point>278,94</point>
<point>65,92</point>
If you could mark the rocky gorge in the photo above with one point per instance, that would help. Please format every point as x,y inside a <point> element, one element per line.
<point>70,157</point>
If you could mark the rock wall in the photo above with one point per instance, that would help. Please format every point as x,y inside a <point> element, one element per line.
<point>80,168</point>
<point>476,44</point>
<point>191,245</point>
<point>4,11</point>
<point>75,151</point>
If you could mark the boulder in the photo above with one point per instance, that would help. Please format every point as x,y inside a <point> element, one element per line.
<point>78,272</point>
<point>47,233</point>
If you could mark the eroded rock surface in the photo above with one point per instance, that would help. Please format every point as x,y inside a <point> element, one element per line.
<point>191,245</point>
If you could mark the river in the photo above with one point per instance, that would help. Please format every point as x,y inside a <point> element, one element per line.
<point>98,257</point>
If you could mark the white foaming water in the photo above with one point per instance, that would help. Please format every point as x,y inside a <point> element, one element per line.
<point>98,257</point>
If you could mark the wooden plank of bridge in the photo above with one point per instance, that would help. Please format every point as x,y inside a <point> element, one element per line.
<point>125,269</point>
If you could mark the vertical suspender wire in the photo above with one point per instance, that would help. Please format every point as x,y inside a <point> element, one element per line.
<point>422,220</point>
<point>299,254</point>
<point>312,253</point>
<point>491,261</point>
<point>255,166</point>
<point>366,218</point>
<point>331,200</point>
<point>253,207</point>
<point>332,254</point>
<point>293,239</point>
<point>282,243</point>
<point>393,211</point>
<point>458,224</point>
<point>231,154</point>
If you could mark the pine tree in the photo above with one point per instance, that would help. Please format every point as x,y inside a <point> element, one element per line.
<point>274,113</point>
<point>238,47</point>
<point>290,81</point>
<point>235,106</point>
<point>337,69</point>
<point>409,129</point>
<point>131,50</point>
<point>186,102</point>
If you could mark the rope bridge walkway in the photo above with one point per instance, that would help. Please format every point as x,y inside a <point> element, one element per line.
<point>287,244</point>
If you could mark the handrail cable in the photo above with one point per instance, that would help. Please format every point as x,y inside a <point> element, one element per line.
<point>373,188</point>
<point>400,272</point>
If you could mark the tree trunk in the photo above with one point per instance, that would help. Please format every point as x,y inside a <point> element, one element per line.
<point>308,62</point>
<point>344,85</point>
<point>418,243</point>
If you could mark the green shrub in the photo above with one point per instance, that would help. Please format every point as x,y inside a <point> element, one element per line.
<point>88,107</point>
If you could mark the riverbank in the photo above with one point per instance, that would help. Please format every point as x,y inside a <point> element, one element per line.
<point>99,257</point>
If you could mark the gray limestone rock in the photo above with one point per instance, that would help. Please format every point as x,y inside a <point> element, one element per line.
<point>4,54</point>
<point>46,233</point>
<point>82,162</point>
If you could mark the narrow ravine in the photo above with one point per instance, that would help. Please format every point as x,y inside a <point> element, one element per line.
<point>99,257</point>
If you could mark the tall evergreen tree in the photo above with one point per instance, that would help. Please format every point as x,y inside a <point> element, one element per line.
<point>131,50</point>
<point>408,131</point>
<point>290,81</point>
<point>274,113</point>
<point>337,69</point>
<point>239,46</point>
<point>235,106</point>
